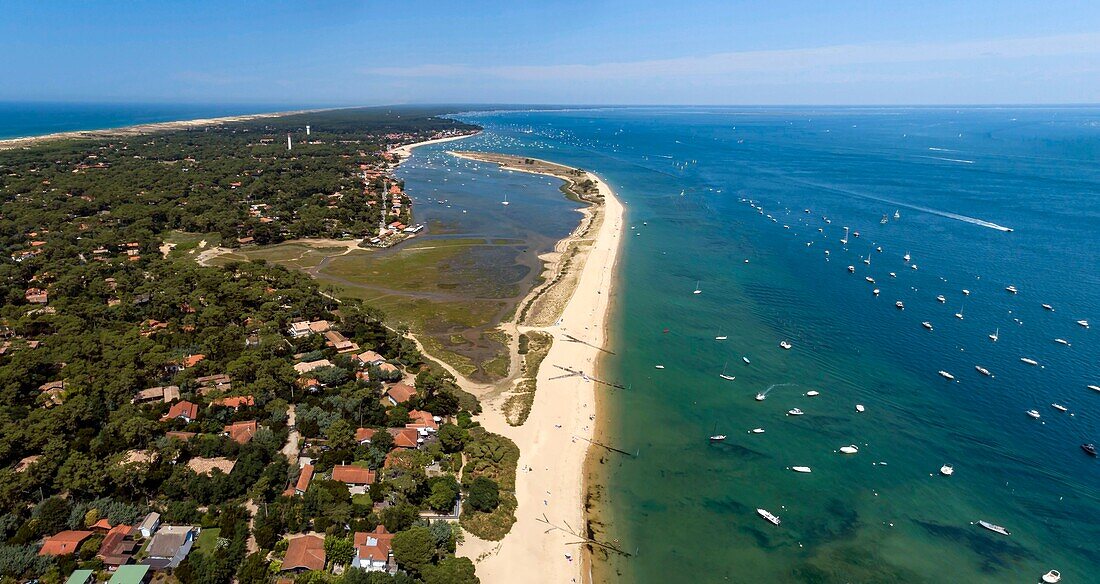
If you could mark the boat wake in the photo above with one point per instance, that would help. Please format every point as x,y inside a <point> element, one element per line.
<point>949,159</point>
<point>774,385</point>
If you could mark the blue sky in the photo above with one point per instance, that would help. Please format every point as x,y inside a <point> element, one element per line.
<point>568,52</point>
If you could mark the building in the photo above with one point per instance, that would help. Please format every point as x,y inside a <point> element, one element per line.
<point>236,402</point>
<point>118,546</point>
<point>305,552</point>
<point>368,358</point>
<point>399,393</point>
<point>356,478</point>
<point>339,342</point>
<point>81,577</point>
<point>405,437</point>
<point>63,543</point>
<point>364,435</point>
<point>304,478</point>
<point>130,575</point>
<point>149,525</point>
<point>241,432</point>
<point>183,410</point>
<point>307,366</point>
<point>372,551</point>
<point>165,393</point>
<point>304,328</point>
<point>169,546</point>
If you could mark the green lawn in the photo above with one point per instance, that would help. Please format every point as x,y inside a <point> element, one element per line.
<point>207,540</point>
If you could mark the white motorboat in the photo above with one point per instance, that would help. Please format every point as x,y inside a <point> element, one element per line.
<point>966,292</point>
<point>1011,289</point>
<point>893,275</point>
<point>1052,577</point>
<point>1062,342</point>
<point>801,469</point>
<point>717,437</point>
<point>875,291</point>
<point>852,269</point>
<point>794,412</point>
<point>505,201</point>
<point>1048,307</point>
<point>914,266</point>
<point>1059,407</point>
<point>785,345</point>
<point>994,528</point>
<point>697,289</point>
<point>746,360</point>
<point>906,257</point>
<point>947,470</point>
<point>768,516</point>
<point>721,338</point>
<point>1094,387</point>
<point>850,449</point>
<point>659,366</point>
<point>959,314</point>
<point>761,396</point>
<point>900,305</point>
<point>726,377</point>
<point>1033,414</point>
<point>941,299</point>
<point>813,393</point>
<point>926,325</point>
<point>1083,323</point>
<point>947,375</point>
<point>897,215</point>
<point>983,371</point>
<point>757,431</point>
<point>996,335</point>
<point>860,408</point>
<point>1028,361</point>
<point>869,279</point>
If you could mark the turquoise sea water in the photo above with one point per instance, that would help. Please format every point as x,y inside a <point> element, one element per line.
<point>23,119</point>
<point>687,507</point>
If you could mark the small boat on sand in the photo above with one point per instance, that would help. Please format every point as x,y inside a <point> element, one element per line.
<point>850,449</point>
<point>947,470</point>
<point>801,469</point>
<point>768,516</point>
<point>994,528</point>
<point>794,412</point>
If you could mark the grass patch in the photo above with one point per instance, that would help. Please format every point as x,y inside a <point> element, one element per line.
<point>535,346</point>
<point>208,540</point>
<point>496,457</point>
<point>186,241</point>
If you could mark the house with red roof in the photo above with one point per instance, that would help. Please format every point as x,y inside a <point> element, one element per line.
<point>364,435</point>
<point>118,546</point>
<point>241,432</point>
<point>405,437</point>
<point>63,543</point>
<point>183,410</point>
<point>356,478</point>
<point>236,402</point>
<point>304,478</point>
<point>373,551</point>
<point>421,419</point>
<point>399,393</point>
<point>304,553</point>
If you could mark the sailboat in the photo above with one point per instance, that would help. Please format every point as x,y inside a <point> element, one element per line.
<point>906,257</point>
<point>715,436</point>
<point>884,220</point>
<point>723,374</point>
<point>505,201</point>
<point>996,335</point>
<point>959,314</point>
<point>697,289</point>
<point>897,215</point>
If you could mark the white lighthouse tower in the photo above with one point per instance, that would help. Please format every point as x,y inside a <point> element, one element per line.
<point>289,146</point>
<point>307,130</point>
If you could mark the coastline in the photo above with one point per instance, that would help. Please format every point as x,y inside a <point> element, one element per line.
<point>12,143</point>
<point>404,152</point>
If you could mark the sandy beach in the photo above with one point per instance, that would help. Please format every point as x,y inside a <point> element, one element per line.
<point>404,152</point>
<point>9,143</point>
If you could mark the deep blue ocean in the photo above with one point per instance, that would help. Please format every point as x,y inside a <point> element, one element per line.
<point>24,119</point>
<point>705,190</point>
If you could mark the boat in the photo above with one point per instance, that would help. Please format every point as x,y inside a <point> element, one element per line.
<point>1059,407</point>
<point>860,408</point>
<point>947,470</point>
<point>785,345</point>
<point>947,375</point>
<point>1062,342</point>
<point>723,374</point>
<point>697,290</point>
<point>941,299</point>
<point>717,437</point>
<point>721,338</point>
<point>893,275</point>
<point>996,335</point>
<point>1011,289</point>
<point>768,516</point>
<point>879,249</point>
<point>897,215</point>
<point>801,469</point>
<point>983,371</point>
<point>926,325</point>
<point>869,279</point>
<point>914,266</point>
<point>900,305</point>
<point>756,431</point>
<point>794,412</point>
<point>746,360</point>
<point>1028,361</point>
<point>761,396</point>
<point>1048,307</point>
<point>1089,449</point>
<point>994,528</point>
<point>884,220</point>
<point>850,449</point>
<point>867,260</point>
<point>1052,577</point>
<point>852,269</point>
<point>855,234</point>
<point>505,201</point>
<point>906,257</point>
<point>1094,387</point>
<point>1083,323</point>
<point>959,314</point>
<point>659,366</point>
<point>1033,414</point>
<point>875,291</point>
<point>813,393</point>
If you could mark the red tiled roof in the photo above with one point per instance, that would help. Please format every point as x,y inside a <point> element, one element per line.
<point>374,545</point>
<point>364,434</point>
<point>404,437</point>
<point>236,401</point>
<point>352,475</point>
<point>401,392</point>
<point>305,552</point>
<point>241,432</point>
<point>304,478</point>
<point>63,543</point>
<point>421,419</point>
<point>193,360</point>
<point>184,409</point>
